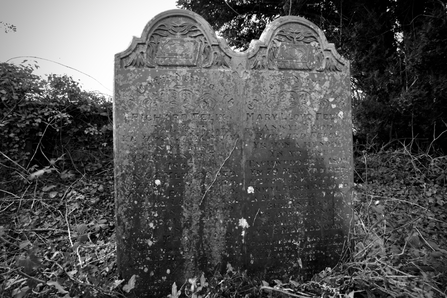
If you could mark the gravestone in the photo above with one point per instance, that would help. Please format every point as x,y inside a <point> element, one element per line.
<point>230,158</point>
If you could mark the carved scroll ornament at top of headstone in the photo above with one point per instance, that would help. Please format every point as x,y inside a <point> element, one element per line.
<point>174,42</point>
<point>183,40</point>
<point>295,46</point>
<point>178,42</point>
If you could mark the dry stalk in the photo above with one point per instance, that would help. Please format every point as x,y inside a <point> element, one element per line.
<point>218,172</point>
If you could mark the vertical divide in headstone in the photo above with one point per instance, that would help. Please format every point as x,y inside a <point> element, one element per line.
<point>230,158</point>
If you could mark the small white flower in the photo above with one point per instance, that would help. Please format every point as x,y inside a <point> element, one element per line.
<point>157,182</point>
<point>243,223</point>
<point>250,189</point>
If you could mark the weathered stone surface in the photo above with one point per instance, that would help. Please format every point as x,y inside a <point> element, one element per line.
<point>225,157</point>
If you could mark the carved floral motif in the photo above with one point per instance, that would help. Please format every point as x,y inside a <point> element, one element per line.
<point>175,42</point>
<point>295,47</point>
<point>220,60</point>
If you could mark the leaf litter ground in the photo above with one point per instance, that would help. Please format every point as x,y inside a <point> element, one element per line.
<point>57,239</point>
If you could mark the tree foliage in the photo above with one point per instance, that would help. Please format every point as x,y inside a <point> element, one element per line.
<point>397,50</point>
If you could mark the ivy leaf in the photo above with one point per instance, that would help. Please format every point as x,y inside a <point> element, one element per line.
<point>294,283</point>
<point>174,293</point>
<point>29,263</point>
<point>278,282</point>
<point>378,209</point>
<point>82,234</point>
<point>130,284</point>
<point>81,229</point>
<point>193,282</point>
<point>66,174</point>
<point>203,282</point>
<point>115,284</point>
<point>414,240</point>
<point>39,173</point>
<point>58,286</point>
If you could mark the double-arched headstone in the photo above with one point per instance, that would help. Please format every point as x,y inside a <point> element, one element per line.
<point>224,157</point>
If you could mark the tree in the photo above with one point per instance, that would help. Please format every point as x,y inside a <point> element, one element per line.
<point>396,49</point>
<point>8,27</point>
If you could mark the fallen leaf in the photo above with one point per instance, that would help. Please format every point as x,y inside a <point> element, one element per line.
<point>48,188</point>
<point>19,293</point>
<point>116,283</point>
<point>57,285</point>
<point>52,194</point>
<point>24,244</point>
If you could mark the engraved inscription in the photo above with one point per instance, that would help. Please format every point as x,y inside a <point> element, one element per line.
<point>223,157</point>
<point>177,51</point>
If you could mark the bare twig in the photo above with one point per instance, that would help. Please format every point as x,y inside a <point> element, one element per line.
<point>101,258</point>
<point>33,199</point>
<point>403,249</point>
<point>254,219</point>
<point>394,199</point>
<point>434,140</point>
<point>10,193</point>
<point>13,162</point>
<point>31,277</point>
<point>35,195</point>
<point>7,242</point>
<point>38,144</point>
<point>79,256</point>
<point>218,172</point>
<point>41,230</point>
<point>395,269</point>
<point>424,239</point>
<point>366,167</point>
<point>302,295</point>
<point>6,208</point>
<point>110,293</point>
<point>231,7</point>
<point>68,224</point>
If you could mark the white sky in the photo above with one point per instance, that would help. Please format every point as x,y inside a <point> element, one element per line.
<point>83,34</point>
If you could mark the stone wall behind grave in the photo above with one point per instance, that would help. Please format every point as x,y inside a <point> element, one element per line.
<point>225,157</point>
